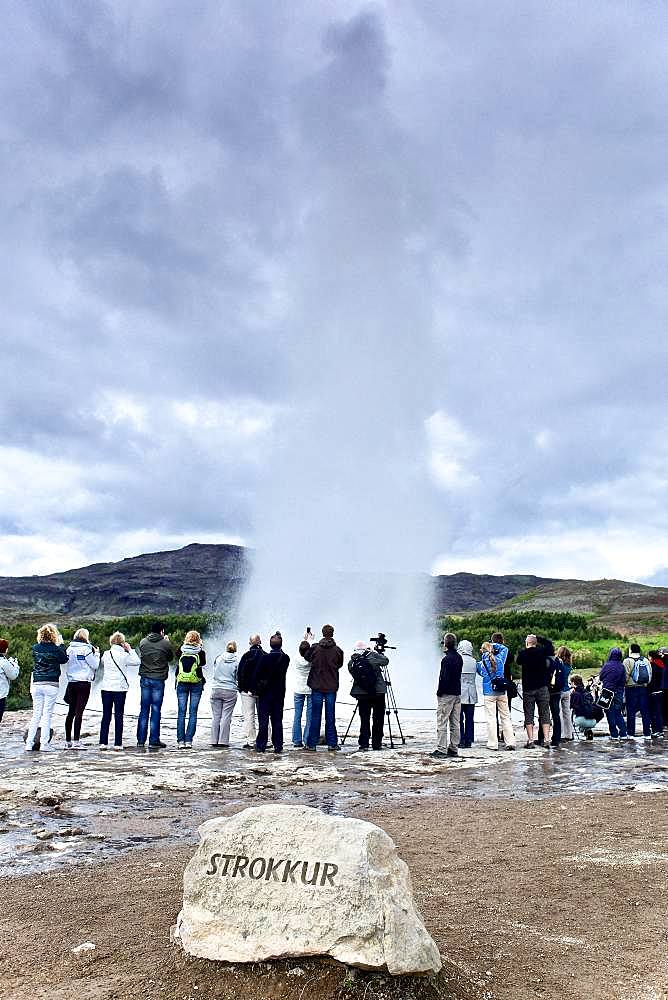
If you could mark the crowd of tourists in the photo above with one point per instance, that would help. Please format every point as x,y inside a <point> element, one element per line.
<point>557,703</point>
<point>624,688</point>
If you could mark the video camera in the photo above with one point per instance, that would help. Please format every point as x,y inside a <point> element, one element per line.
<point>380,642</point>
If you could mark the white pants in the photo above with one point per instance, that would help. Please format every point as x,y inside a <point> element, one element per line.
<point>44,697</point>
<point>222,706</point>
<point>492,702</point>
<point>566,721</point>
<point>249,706</point>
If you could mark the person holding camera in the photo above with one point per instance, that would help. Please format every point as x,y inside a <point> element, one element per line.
<point>491,667</point>
<point>116,664</point>
<point>448,694</point>
<point>326,659</point>
<point>48,655</point>
<point>83,659</point>
<point>369,688</point>
<point>9,671</point>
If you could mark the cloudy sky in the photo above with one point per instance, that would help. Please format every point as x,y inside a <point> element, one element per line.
<point>385,280</point>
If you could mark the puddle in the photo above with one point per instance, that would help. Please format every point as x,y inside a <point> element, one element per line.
<point>68,806</point>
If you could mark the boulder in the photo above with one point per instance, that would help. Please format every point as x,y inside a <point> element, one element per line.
<point>281,881</point>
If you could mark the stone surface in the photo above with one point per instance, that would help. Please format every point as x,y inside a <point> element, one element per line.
<point>278,881</point>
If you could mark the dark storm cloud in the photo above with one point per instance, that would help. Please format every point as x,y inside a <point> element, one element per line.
<point>205,204</point>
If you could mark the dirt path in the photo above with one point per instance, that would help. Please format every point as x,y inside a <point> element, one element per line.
<point>555,898</point>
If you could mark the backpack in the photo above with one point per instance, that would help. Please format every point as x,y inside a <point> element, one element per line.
<point>363,673</point>
<point>640,674</point>
<point>186,672</point>
<point>556,674</point>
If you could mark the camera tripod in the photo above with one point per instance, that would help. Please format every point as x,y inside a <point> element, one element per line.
<point>390,707</point>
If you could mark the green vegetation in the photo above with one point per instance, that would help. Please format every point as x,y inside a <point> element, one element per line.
<point>22,635</point>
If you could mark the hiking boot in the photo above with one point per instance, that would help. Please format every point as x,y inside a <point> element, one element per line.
<point>511,746</point>
<point>530,745</point>
<point>452,752</point>
<point>439,755</point>
<point>157,746</point>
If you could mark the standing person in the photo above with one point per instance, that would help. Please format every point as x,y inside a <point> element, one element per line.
<point>246,679</point>
<point>83,659</point>
<point>224,692</point>
<point>302,697</point>
<point>638,679</point>
<point>448,694</point>
<point>272,671</point>
<point>369,689</point>
<point>469,696</point>
<point>9,671</point>
<point>490,667</point>
<point>663,653</point>
<point>566,658</point>
<point>656,694</point>
<point>613,677</point>
<point>48,655</point>
<point>326,659</point>
<point>155,653</point>
<point>189,687</point>
<point>116,663</point>
<point>556,676</point>
<point>532,661</point>
<point>496,638</point>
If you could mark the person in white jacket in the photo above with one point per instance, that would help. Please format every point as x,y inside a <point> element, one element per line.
<point>469,695</point>
<point>302,696</point>
<point>83,659</point>
<point>9,671</point>
<point>117,661</point>
<point>224,691</point>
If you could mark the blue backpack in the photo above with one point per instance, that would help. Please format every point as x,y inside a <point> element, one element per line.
<point>641,672</point>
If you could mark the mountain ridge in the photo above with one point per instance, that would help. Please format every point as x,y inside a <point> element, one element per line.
<point>209,578</point>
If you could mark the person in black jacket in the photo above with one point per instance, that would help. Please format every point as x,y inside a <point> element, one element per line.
<point>369,688</point>
<point>449,699</point>
<point>270,686</point>
<point>246,680</point>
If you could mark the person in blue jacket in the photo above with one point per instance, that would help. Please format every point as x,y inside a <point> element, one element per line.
<point>494,690</point>
<point>613,677</point>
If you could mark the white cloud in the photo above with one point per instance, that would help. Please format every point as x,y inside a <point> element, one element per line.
<point>452,453</point>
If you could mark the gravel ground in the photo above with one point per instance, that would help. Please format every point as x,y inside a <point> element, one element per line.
<point>552,897</point>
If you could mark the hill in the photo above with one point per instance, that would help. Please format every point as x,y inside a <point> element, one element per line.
<point>197,578</point>
<point>209,578</point>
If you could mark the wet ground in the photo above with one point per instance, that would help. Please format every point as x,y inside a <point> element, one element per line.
<point>88,805</point>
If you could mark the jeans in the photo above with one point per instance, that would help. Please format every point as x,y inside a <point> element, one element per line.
<point>365,707</point>
<point>112,701</point>
<point>317,700</point>
<point>637,700</point>
<point>299,736</point>
<point>223,701</point>
<point>152,692</point>
<point>270,707</point>
<point>447,721</point>
<point>77,694</point>
<point>655,712</point>
<point>44,697</point>
<point>187,692</point>
<point>615,717</point>
<point>555,709</point>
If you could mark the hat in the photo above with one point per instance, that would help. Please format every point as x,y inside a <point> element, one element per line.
<point>4,646</point>
<point>361,645</point>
